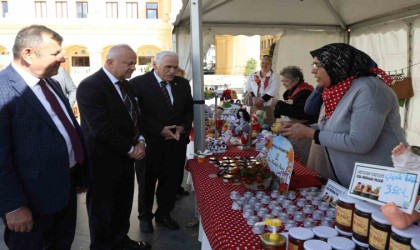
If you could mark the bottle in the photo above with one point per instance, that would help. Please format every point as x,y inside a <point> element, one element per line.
<point>272,241</point>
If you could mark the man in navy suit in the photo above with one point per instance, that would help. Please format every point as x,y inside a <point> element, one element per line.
<point>43,162</point>
<point>167,108</point>
<point>111,123</point>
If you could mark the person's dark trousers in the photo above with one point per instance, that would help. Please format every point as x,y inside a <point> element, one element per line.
<point>109,208</point>
<point>161,164</point>
<point>50,232</point>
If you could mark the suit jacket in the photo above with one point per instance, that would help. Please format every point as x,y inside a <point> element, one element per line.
<point>67,85</point>
<point>34,162</point>
<point>156,113</point>
<point>107,127</point>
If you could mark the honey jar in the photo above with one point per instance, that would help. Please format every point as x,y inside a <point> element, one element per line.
<point>268,244</point>
<point>401,238</point>
<point>316,245</point>
<point>341,243</point>
<point>360,245</point>
<point>344,212</point>
<point>379,232</point>
<point>323,233</point>
<point>298,236</point>
<point>361,220</point>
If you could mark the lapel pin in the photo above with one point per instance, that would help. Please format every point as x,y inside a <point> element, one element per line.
<point>175,83</point>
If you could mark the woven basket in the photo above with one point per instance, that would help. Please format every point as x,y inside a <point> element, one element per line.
<point>255,186</point>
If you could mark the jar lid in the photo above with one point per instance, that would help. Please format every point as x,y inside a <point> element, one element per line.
<point>341,243</point>
<point>359,243</point>
<point>366,207</point>
<point>324,232</point>
<point>378,216</point>
<point>410,232</point>
<point>301,233</point>
<point>343,232</point>
<point>347,199</point>
<point>265,238</point>
<point>415,242</point>
<point>316,245</point>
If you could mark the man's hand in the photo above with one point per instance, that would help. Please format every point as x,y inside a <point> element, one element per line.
<point>297,131</point>
<point>168,132</point>
<point>139,151</point>
<point>179,130</point>
<point>20,220</point>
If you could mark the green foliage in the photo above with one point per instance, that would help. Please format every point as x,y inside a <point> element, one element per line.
<point>251,66</point>
<point>148,68</point>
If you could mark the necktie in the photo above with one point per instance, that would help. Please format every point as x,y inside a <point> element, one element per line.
<point>71,131</point>
<point>130,108</point>
<point>166,94</point>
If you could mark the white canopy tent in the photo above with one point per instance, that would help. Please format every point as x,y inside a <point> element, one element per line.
<point>387,30</point>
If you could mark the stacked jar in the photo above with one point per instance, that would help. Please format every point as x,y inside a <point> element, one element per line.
<point>379,232</point>
<point>401,238</point>
<point>298,236</point>
<point>344,213</point>
<point>361,220</point>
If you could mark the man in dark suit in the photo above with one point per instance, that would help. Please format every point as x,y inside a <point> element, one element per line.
<point>43,161</point>
<point>166,104</point>
<point>110,121</point>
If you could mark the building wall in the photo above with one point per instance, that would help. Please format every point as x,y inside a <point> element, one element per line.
<point>266,42</point>
<point>94,35</point>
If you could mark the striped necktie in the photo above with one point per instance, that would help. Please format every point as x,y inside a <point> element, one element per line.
<point>166,94</point>
<point>130,107</point>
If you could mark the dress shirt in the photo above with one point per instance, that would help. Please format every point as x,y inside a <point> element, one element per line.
<point>32,82</point>
<point>168,87</point>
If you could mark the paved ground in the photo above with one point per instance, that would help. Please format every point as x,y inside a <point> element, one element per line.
<point>162,238</point>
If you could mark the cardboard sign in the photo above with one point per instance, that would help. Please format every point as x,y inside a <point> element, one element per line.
<point>380,185</point>
<point>279,156</point>
<point>331,192</point>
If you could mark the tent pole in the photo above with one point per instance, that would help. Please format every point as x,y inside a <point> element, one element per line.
<point>197,74</point>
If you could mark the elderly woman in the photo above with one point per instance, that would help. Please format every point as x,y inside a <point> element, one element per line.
<point>361,121</point>
<point>264,85</point>
<point>297,91</point>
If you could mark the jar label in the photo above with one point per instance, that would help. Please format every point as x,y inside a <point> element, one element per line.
<point>343,216</point>
<point>377,238</point>
<point>395,245</point>
<point>292,246</point>
<point>360,225</point>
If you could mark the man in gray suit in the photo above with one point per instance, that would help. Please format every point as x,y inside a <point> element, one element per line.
<point>42,155</point>
<point>67,85</point>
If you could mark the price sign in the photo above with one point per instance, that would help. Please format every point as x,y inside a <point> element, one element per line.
<point>380,185</point>
<point>331,192</point>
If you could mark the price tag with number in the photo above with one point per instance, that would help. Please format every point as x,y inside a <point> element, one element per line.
<point>380,185</point>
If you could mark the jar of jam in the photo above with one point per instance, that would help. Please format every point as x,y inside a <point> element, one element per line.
<point>323,233</point>
<point>401,238</point>
<point>361,220</point>
<point>341,243</point>
<point>360,245</point>
<point>415,243</point>
<point>316,245</point>
<point>344,212</point>
<point>379,232</point>
<point>298,236</point>
<point>345,234</point>
<point>270,244</point>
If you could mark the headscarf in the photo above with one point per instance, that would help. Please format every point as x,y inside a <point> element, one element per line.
<point>343,64</point>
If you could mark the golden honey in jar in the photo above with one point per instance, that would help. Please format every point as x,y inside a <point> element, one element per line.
<point>401,238</point>
<point>361,220</point>
<point>298,236</point>
<point>324,232</point>
<point>379,232</point>
<point>344,213</point>
<point>268,244</point>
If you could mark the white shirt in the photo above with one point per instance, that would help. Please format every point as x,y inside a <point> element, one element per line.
<point>272,89</point>
<point>32,82</point>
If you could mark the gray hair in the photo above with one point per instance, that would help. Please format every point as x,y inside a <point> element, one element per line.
<point>31,36</point>
<point>293,73</point>
<point>115,51</point>
<point>163,54</point>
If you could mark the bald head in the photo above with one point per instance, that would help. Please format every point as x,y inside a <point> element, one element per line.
<point>121,61</point>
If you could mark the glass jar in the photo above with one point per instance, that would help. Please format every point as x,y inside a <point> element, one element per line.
<point>360,245</point>
<point>281,198</point>
<point>331,212</point>
<point>308,210</point>
<point>401,239</point>
<point>257,206</point>
<point>327,221</point>
<point>265,199</point>
<point>344,234</point>
<point>344,213</point>
<point>272,204</point>
<point>234,195</point>
<point>267,244</point>
<point>260,194</point>
<point>248,195</point>
<point>361,220</point>
<point>301,202</point>
<point>252,220</point>
<point>298,236</point>
<point>262,212</point>
<point>289,224</point>
<point>291,195</point>
<point>323,233</point>
<point>379,232</point>
<point>309,223</point>
<point>341,243</point>
<point>316,245</point>
<point>274,194</point>
<point>286,203</point>
<point>415,243</point>
<point>247,212</point>
<point>258,229</point>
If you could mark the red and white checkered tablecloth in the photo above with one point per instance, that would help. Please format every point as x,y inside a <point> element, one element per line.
<point>225,228</point>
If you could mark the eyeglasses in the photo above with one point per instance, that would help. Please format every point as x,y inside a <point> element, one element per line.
<point>316,65</point>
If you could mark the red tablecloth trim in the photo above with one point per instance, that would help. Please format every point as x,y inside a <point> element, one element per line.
<point>224,227</point>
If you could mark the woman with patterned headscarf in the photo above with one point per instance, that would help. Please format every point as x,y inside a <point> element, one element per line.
<point>361,122</point>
